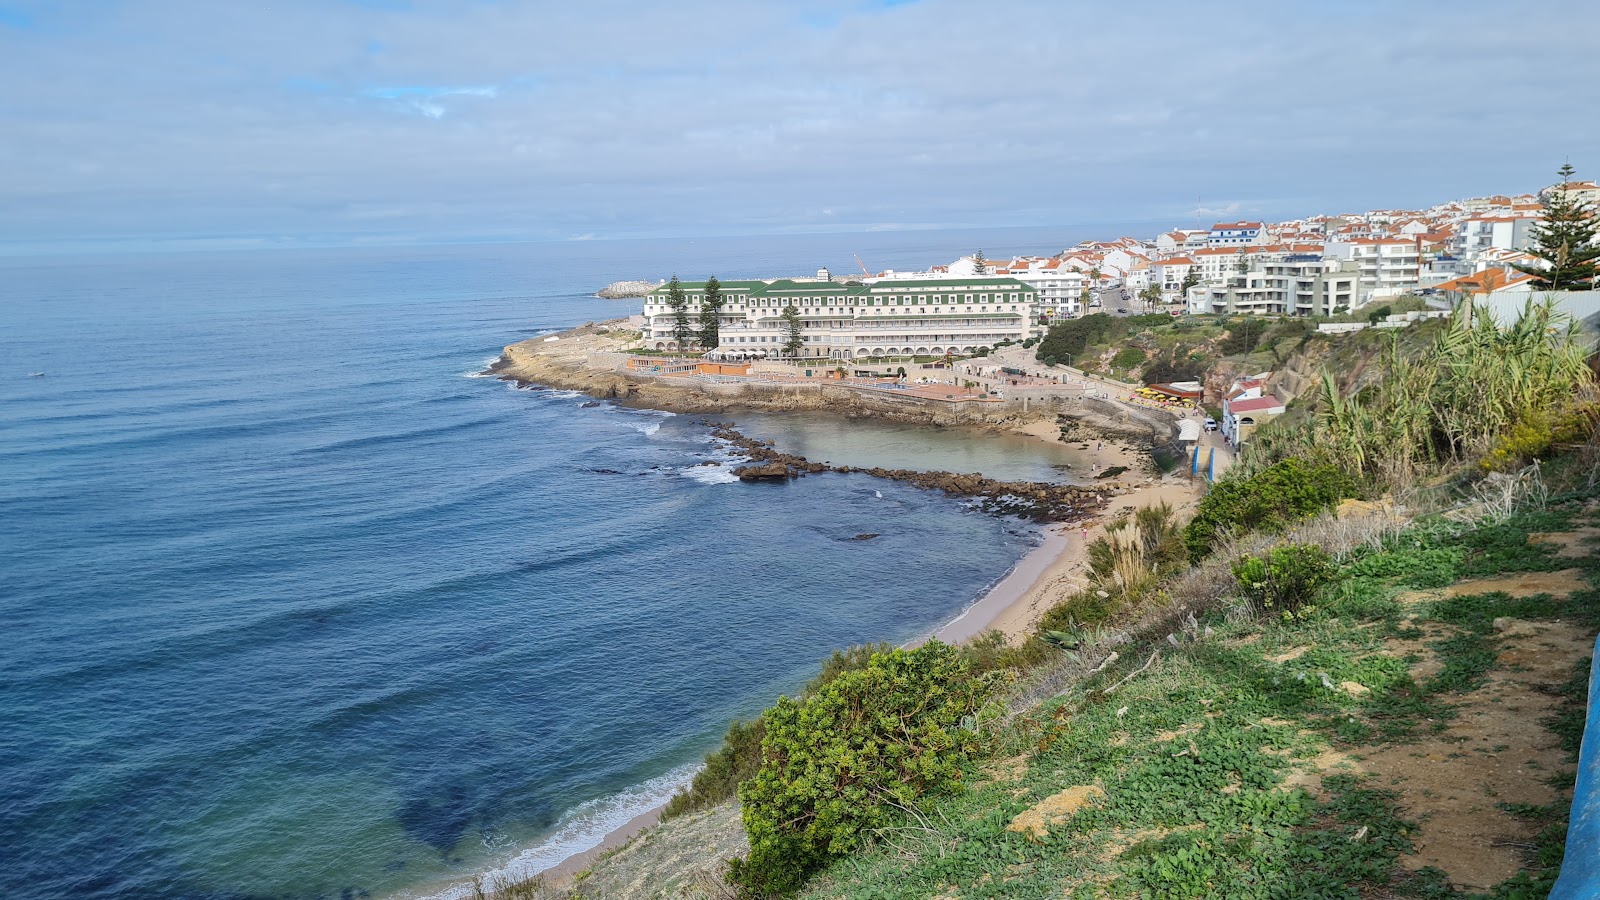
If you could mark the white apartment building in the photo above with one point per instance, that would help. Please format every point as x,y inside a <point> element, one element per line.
<point>1216,264</point>
<point>1580,191</point>
<point>1284,284</point>
<point>1169,274</point>
<point>911,317</point>
<point>1479,233</point>
<point>1389,266</point>
<point>1237,234</point>
<point>1182,240</point>
<point>1060,287</point>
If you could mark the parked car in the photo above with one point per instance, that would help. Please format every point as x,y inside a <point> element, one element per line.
<point>1211,424</point>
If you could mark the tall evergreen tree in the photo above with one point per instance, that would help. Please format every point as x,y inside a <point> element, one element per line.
<point>679,304</point>
<point>711,314</point>
<point>978,268</point>
<point>793,331</point>
<point>1565,241</point>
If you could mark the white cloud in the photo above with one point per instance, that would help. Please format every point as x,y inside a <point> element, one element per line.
<point>524,119</point>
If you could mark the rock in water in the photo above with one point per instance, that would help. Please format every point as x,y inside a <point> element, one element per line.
<point>618,290</point>
<point>772,471</point>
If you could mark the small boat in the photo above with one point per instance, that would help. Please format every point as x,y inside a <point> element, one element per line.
<point>35,374</point>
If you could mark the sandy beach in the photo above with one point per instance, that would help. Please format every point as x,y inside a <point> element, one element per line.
<point>1057,568</point>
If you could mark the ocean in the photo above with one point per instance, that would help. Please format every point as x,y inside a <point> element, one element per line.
<point>295,606</point>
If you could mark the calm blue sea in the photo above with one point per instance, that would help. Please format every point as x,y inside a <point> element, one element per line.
<point>293,607</point>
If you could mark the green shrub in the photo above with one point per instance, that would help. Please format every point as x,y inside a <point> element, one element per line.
<point>1149,320</point>
<point>1243,336</point>
<point>1164,371</point>
<point>1287,578</point>
<point>1127,358</point>
<point>1083,608</point>
<point>839,662</point>
<point>992,651</point>
<point>735,761</point>
<point>1537,435</point>
<point>1420,567</point>
<point>1270,500</point>
<point>1069,338</point>
<point>850,757</point>
<point>740,754</point>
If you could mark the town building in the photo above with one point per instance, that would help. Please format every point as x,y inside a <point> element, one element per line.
<point>852,320</point>
<point>1283,284</point>
<point>1480,233</point>
<point>1247,407</point>
<point>1237,234</point>
<point>1389,266</point>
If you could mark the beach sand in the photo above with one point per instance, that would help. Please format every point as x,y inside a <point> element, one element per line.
<point>1058,567</point>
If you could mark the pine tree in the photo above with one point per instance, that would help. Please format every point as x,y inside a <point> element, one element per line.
<point>1565,241</point>
<point>711,314</point>
<point>681,330</point>
<point>793,331</point>
<point>1189,280</point>
<point>978,268</point>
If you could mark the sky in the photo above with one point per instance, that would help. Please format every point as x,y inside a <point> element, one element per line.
<point>244,123</point>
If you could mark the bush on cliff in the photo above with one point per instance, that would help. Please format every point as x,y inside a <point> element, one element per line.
<point>1286,578</point>
<point>1127,358</point>
<point>1070,337</point>
<point>1270,500</point>
<point>736,760</point>
<point>851,757</point>
<point>739,757</point>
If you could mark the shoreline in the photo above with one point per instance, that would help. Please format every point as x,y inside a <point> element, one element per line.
<point>1013,604</point>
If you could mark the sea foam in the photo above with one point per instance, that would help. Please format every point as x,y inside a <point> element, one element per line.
<point>582,828</point>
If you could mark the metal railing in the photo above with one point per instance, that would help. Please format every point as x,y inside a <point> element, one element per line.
<point>1580,869</point>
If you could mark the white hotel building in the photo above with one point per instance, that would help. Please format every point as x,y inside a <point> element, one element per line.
<point>916,317</point>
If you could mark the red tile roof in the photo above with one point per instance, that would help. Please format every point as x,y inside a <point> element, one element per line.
<point>1254,404</point>
<point>1487,281</point>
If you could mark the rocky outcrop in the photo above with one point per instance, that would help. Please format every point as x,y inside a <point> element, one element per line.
<point>1040,501</point>
<point>589,358</point>
<point>620,290</point>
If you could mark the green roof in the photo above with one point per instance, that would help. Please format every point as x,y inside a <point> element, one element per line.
<point>782,286</point>
<point>976,315</point>
<point>785,287</point>
<point>954,282</point>
<point>691,287</point>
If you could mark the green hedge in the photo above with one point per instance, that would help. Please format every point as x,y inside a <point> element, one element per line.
<point>1272,499</point>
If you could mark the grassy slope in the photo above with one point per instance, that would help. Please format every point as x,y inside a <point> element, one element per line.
<point>1231,768</point>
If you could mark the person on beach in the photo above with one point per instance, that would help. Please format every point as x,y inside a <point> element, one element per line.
<point>1085,534</point>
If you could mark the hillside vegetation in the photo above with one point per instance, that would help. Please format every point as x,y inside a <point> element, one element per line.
<point>1298,693</point>
<point>1158,347</point>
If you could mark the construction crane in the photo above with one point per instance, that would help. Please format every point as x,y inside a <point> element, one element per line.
<point>862,265</point>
